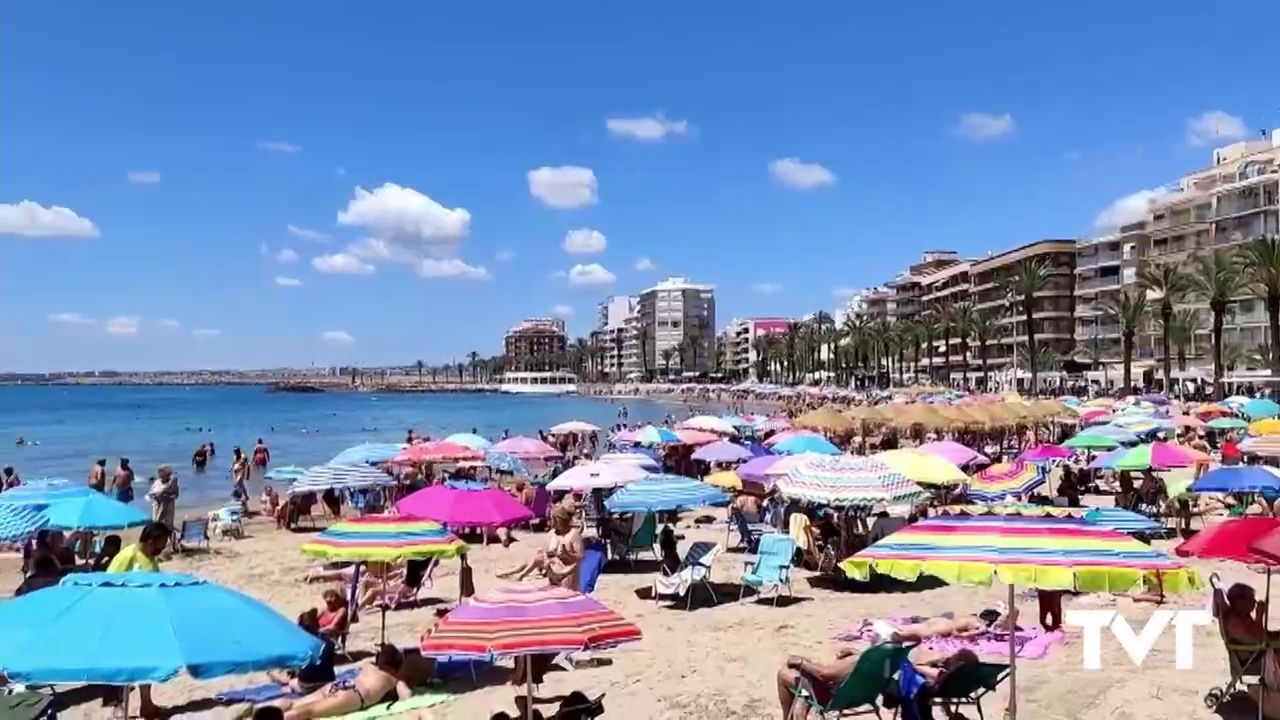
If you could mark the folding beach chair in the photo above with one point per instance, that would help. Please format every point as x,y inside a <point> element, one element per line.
<point>193,533</point>
<point>748,533</point>
<point>859,693</point>
<point>642,539</point>
<point>695,568</point>
<point>1244,661</point>
<point>772,569</point>
<point>967,685</point>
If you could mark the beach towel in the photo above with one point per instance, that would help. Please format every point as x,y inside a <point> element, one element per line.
<point>798,528</point>
<point>910,683</point>
<point>420,701</point>
<point>267,692</point>
<point>1033,644</point>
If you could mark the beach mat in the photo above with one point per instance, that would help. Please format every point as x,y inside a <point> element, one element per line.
<point>267,692</point>
<point>1033,644</point>
<point>421,701</point>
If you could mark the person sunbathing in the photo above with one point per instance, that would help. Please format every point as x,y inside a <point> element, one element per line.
<point>819,680</point>
<point>335,620</point>
<point>560,557</point>
<point>376,682</point>
<point>965,626</point>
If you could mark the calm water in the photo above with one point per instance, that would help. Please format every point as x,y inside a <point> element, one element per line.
<point>155,425</point>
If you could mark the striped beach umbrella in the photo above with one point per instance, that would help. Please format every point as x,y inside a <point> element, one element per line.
<point>19,523</point>
<point>848,481</point>
<point>524,620</point>
<point>1004,480</point>
<point>367,454</point>
<point>661,493</point>
<point>771,424</point>
<point>339,477</point>
<point>505,463</point>
<point>382,538</point>
<point>1151,456</point>
<point>1091,441</point>
<point>1121,520</point>
<point>1025,509</point>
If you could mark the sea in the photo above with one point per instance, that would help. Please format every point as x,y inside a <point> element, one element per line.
<point>67,427</point>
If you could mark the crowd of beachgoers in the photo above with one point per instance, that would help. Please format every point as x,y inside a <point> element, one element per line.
<point>858,542</point>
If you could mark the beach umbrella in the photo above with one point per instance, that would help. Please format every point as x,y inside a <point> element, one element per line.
<point>954,453</point>
<point>339,477</point>
<point>1045,453</point>
<point>922,469</point>
<point>1151,456</point>
<point>1004,480</point>
<point>1204,410</point>
<point>785,435</point>
<point>437,451</point>
<point>847,481</point>
<point>471,440</point>
<point>1267,445</point>
<point>383,538</point>
<point>721,451</point>
<point>771,424</point>
<point>697,437</point>
<point>1102,402</point>
<point>1236,401</point>
<point>1187,421</point>
<point>1230,540</point>
<point>94,512</point>
<point>144,627</point>
<point>597,476</point>
<point>1227,423</point>
<point>285,473</point>
<point>1269,426</point>
<point>1088,441</point>
<point>1121,520</point>
<point>1119,434</point>
<point>754,469</point>
<point>573,426</point>
<point>826,419</point>
<point>18,522</point>
<point>806,444</point>
<point>1154,399</point>
<point>637,457</point>
<point>731,480</point>
<point>708,423</point>
<point>663,493</point>
<point>650,435</point>
<point>42,496</point>
<point>505,463</point>
<point>1237,479</point>
<point>465,484</point>
<point>526,448</point>
<point>470,507</point>
<point>367,454</point>
<point>1008,508</point>
<point>1041,553</point>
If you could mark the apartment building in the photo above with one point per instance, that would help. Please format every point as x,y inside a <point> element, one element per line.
<point>1105,267</point>
<point>675,315</point>
<point>1053,309</point>
<point>741,352</point>
<point>536,343</point>
<point>944,287</point>
<point>610,333</point>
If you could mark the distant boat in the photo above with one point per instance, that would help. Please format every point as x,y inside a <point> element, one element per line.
<point>556,382</point>
<point>294,388</point>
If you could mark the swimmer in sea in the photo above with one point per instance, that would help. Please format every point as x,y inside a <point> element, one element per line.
<point>21,441</point>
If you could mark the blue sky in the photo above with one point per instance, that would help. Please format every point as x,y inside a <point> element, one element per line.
<point>780,152</point>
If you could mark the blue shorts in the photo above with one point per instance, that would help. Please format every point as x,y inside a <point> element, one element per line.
<point>124,495</point>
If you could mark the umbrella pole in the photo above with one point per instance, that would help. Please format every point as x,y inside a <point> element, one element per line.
<point>384,608</point>
<point>1262,686</point>
<point>528,687</point>
<point>1011,711</point>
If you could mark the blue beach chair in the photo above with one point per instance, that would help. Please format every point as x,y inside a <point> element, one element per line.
<point>593,560</point>
<point>772,568</point>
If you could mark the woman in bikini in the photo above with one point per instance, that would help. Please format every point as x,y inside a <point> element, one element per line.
<point>376,682</point>
<point>560,558</point>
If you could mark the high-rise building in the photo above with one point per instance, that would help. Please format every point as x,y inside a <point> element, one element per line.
<point>610,334</point>
<point>535,344</point>
<point>1053,307</point>
<point>741,349</point>
<point>675,320</point>
<point>1105,267</point>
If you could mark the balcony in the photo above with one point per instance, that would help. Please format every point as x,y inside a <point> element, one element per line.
<point>1105,257</point>
<point>1098,283</point>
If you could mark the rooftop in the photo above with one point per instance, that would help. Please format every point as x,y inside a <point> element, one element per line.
<point>679,283</point>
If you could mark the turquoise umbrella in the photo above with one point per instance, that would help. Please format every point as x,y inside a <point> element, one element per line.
<point>95,512</point>
<point>471,440</point>
<point>1260,408</point>
<point>661,493</point>
<point>287,473</point>
<point>140,627</point>
<point>41,496</point>
<point>19,523</point>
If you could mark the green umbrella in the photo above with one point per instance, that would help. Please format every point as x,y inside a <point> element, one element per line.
<point>1085,441</point>
<point>1227,424</point>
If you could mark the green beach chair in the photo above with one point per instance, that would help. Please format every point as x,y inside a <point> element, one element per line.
<point>968,685</point>
<point>859,693</point>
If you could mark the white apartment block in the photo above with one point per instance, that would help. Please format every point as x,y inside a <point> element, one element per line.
<point>676,315</point>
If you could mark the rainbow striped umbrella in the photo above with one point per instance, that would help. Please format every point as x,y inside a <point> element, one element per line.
<point>384,538</point>
<point>847,481</point>
<point>1004,480</point>
<point>524,620</point>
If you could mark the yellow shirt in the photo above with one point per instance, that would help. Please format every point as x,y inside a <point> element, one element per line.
<point>132,559</point>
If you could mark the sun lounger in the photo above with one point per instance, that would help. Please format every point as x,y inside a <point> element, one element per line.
<point>967,685</point>
<point>193,533</point>
<point>772,569</point>
<point>268,692</point>
<point>859,693</point>
<point>695,568</point>
<point>27,706</point>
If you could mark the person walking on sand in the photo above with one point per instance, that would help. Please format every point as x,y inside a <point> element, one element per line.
<point>240,477</point>
<point>164,497</point>
<point>122,482</point>
<point>98,475</point>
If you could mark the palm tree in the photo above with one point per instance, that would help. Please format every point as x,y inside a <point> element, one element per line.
<point>1182,333</point>
<point>666,355</point>
<point>1168,283</point>
<point>1260,262</point>
<point>791,340</point>
<point>962,317</point>
<point>1217,280</point>
<point>689,351</point>
<point>946,326</point>
<point>421,366</point>
<point>643,338</point>
<point>928,322</point>
<point>984,329</point>
<point>761,347</point>
<point>473,359</point>
<point>1030,278</point>
<point>854,331</point>
<point>1128,309</point>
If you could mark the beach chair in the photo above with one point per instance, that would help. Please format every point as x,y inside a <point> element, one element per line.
<point>582,711</point>
<point>772,569</point>
<point>192,533</point>
<point>230,522</point>
<point>967,685</point>
<point>859,693</point>
<point>748,533</point>
<point>642,539</point>
<point>694,569</point>
<point>1244,661</point>
<point>540,506</point>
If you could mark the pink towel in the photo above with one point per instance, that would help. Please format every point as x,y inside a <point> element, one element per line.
<point>1031,644</point>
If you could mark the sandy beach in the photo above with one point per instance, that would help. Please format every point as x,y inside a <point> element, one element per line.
<point>720,661</point>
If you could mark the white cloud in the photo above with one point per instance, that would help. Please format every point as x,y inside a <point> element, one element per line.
<point>584,241</point>
<point>590,275</point>
<point>287,255</point>
<point>30,219</point>
<point>768,288</point>
<point>375,250</point>
<point>800,175</point>
<point>559,274</point>
<point>843,293</point>
<point>505,255</point>
<point>336,337</point>
<point>985,126</point>
<point>144,177</point>
<point>279,146</point>
<point>122,325</point>
<point>206,333</point>
<point>401,214</point>
<point>644,263</point>
<point>650,128</point>
<point>563,311</point>
<point>451,268</point>
<point>1215,127</point>
<point>307,234</point>
<point>564,187</point>
<point>1131,208</point>
<point>341,264</point>
<point>169,324</point>
<point>70,319</point>
<point>283,281</point>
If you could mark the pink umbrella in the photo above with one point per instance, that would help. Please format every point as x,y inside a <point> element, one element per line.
<point>954,453</point>
<point>458,507</point>
<point>625,437</point>
<point>1044,453</point>
<point>1187,421</point>
<point>787,434</point>
<point>696,437</point>
<point>526,448</point>
<point>438,451</point>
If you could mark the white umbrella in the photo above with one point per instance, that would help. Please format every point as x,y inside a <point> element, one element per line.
<point>789,463</point>
<point>597,475</point>
<point>708,423</point>
<point>573,426</point>
<point>637,459</point>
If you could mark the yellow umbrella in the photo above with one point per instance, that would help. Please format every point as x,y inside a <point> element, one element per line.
<point>921,468</point>
<point>727,479</point>
<point>827,419</point>
<point>1270,426</point>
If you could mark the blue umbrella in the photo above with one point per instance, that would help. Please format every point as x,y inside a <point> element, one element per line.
<point>339,477</point>
<point>368,454</point>
<point>456,484</point>
<point>658,493</point>
<point>94,512</point>
<point>502,462</point>
<point>757,448</point>
<point>471,440</point>
<point>1260,408</point>
<point>1125,521</point>
<point>650,435</point>
<point>1237,479</point>
<point>41,496</point>
<point>798,444</point>
<point>19,523</point>
<point>140,627</point>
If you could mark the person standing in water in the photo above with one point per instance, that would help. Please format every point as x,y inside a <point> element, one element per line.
<point>122,482</point>
<point>200,458</point>
<point>261,457</point>
<point>98,475</point>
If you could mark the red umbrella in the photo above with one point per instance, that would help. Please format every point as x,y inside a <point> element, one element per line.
<point>1235,540</point>
<point>1267,548</point>
<point>439,451</point>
